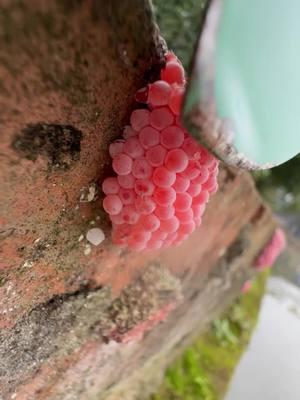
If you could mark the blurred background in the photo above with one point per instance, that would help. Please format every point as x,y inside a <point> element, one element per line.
<point>253,351</point>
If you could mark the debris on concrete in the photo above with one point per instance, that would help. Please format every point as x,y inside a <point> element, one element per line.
<point>88,194</point>
<point>95,236</point>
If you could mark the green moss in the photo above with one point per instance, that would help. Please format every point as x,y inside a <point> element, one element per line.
<point>179,22</point>
<point>204,370</point>
<point>276,183</point>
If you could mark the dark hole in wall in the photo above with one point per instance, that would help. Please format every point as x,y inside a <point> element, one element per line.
<point>60,144</point>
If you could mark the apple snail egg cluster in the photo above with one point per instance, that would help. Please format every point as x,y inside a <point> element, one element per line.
<point>163,176</point>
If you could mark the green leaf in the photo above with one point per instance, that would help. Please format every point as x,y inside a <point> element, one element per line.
<point>245,81</point>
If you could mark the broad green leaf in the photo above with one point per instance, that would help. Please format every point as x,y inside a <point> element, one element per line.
<point>243,98</point>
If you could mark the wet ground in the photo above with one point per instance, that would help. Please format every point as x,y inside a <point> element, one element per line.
<point>270,368</point>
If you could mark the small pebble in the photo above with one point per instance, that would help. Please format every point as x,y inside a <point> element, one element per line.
<point>95,236</point>
<point>87,250</point>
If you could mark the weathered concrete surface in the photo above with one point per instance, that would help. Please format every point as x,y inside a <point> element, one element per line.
<point>75,319</point>
<point>71,346</point>
<point>68,73</point>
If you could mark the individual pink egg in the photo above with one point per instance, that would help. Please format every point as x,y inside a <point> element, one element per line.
<point>156,155</point>
<point>122,164</point>
<point>181,184</point>
<point>164,196</point>
<point>112,204</point>
<point>176,99</point>
<point>141,169</point>
<point>126,181</point>
<point>127,196</point>
<point>144,187</point>
<point>159,93</point>
<point>132,147</point>
<point>149,137</point>
<point>161,118</point>
<point>164,212</point>
<point>139,119</point>
<point>129,214</point>
<point>150,222</point>
<point>110,185</point>
<point>183,202</point>
<point>176,160</point>
<point>170,225</point>
<point>116,147</point>
<point>172,137</point>
<point>144,205</point>
<point>162,177</point>
<point>173,72</point>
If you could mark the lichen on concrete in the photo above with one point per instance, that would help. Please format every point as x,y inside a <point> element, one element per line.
<point>53,329</point>
<point>60,326</point>
<point>154,288</point>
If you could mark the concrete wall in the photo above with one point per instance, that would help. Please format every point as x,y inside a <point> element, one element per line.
<point>80,321</point>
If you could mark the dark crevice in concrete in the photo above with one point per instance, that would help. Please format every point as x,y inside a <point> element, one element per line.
<point>258,214</point>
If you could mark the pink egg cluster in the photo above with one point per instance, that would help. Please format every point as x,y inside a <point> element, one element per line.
<point>272,250</point>
<point>163,176</point>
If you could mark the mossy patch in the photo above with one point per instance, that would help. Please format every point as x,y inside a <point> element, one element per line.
<point>59,143</point>
<point>204,370</point>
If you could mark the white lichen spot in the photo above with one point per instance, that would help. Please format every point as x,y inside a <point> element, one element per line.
<point>81,237</point>
<point>92,192</point>
<point>9,287</point>
<point>27,264</point>
<point>95,236</point>
<point>87,250</point>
